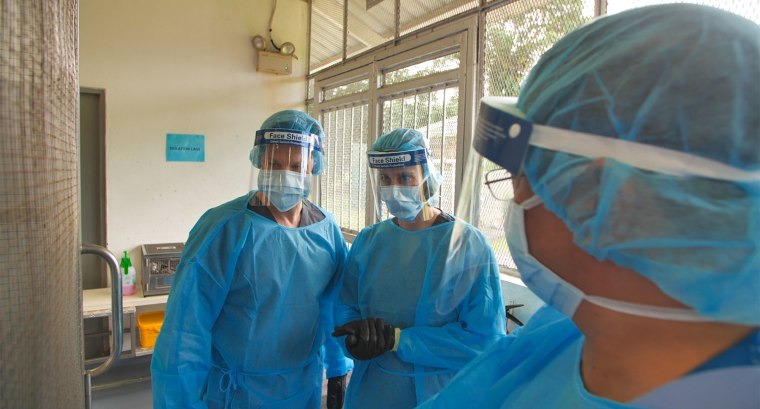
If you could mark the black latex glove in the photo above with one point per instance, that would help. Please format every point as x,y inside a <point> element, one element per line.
<point>336,392</point>
<point>366,339</point>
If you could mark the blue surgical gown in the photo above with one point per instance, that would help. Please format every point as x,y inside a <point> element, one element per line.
<point>540,368</point>
<point>248,314</point>
<point>449,309</point>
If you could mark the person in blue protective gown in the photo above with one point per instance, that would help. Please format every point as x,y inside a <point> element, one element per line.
<point>410,312</point>
<point>632,165</point>
<point>249,315</point>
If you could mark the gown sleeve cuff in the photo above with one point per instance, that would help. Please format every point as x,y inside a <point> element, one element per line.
<point>397,335</point>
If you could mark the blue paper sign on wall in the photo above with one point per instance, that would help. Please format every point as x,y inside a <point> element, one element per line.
<point>185,148</point>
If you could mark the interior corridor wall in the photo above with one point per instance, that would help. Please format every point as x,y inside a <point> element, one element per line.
<point>187,67</point>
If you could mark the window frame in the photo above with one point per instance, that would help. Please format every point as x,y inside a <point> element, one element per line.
<point>457,36</point>
<point>401,52</point>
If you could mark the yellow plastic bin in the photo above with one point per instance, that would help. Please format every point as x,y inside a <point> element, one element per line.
<point>149,324</point>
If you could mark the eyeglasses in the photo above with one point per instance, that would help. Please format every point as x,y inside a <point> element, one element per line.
<point>499,183</point>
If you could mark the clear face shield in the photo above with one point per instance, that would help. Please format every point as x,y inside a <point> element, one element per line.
<point>401,186</point>
<point>493,170</point>
<point>282,165</point>
<point>493,175</point>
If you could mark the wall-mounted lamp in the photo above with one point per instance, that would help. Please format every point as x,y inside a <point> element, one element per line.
<point>288,49</point>
<point>259,43</point>
<point>280,62</point>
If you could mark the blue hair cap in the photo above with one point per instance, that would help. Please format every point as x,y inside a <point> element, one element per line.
<point>297,121</point>
<point>678,76</point>
<point>400,139</point>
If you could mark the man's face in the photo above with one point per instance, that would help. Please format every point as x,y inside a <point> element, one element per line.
<point>284,157</point>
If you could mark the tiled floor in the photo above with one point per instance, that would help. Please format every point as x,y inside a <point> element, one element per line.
<point>133,396</point>
<point>130,394</point>
<point>126,385</point>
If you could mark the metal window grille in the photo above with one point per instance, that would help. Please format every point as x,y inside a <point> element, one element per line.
<point>511,38</point>
<point>435,113</point>
<point>348,89</point>
<point>343,186</point>
<point>408,88</point>
<point>342,29</point>
<point>749,9</point>
<point>515,36</point>
<point>423,69</point>
<point>414,15</point>
<point>369,27</point>
<point>40,284</point>
<point>326,33</point>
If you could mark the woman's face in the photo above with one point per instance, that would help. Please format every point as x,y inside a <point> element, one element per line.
<point>407,176</point>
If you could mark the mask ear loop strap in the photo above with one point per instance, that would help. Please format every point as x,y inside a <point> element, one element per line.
<point>531,202</point>
<point>647,311</point>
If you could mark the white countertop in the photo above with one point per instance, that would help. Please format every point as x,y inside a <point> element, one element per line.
<point>100,299</point>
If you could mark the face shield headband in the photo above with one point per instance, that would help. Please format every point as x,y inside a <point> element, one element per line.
<point>503,136</point>
<point>384,160</point>
<point>288,137</point>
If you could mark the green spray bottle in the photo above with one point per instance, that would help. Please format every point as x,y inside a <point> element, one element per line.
<point>128,275</point>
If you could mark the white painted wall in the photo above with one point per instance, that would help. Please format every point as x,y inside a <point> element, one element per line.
<point>182,66</point>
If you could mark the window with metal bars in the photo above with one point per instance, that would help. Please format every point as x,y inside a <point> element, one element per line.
<point>514,37</point>
<point>435,113</point>
<point>410,87</point>
<point>343,186</point>
<point>394,79</point>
